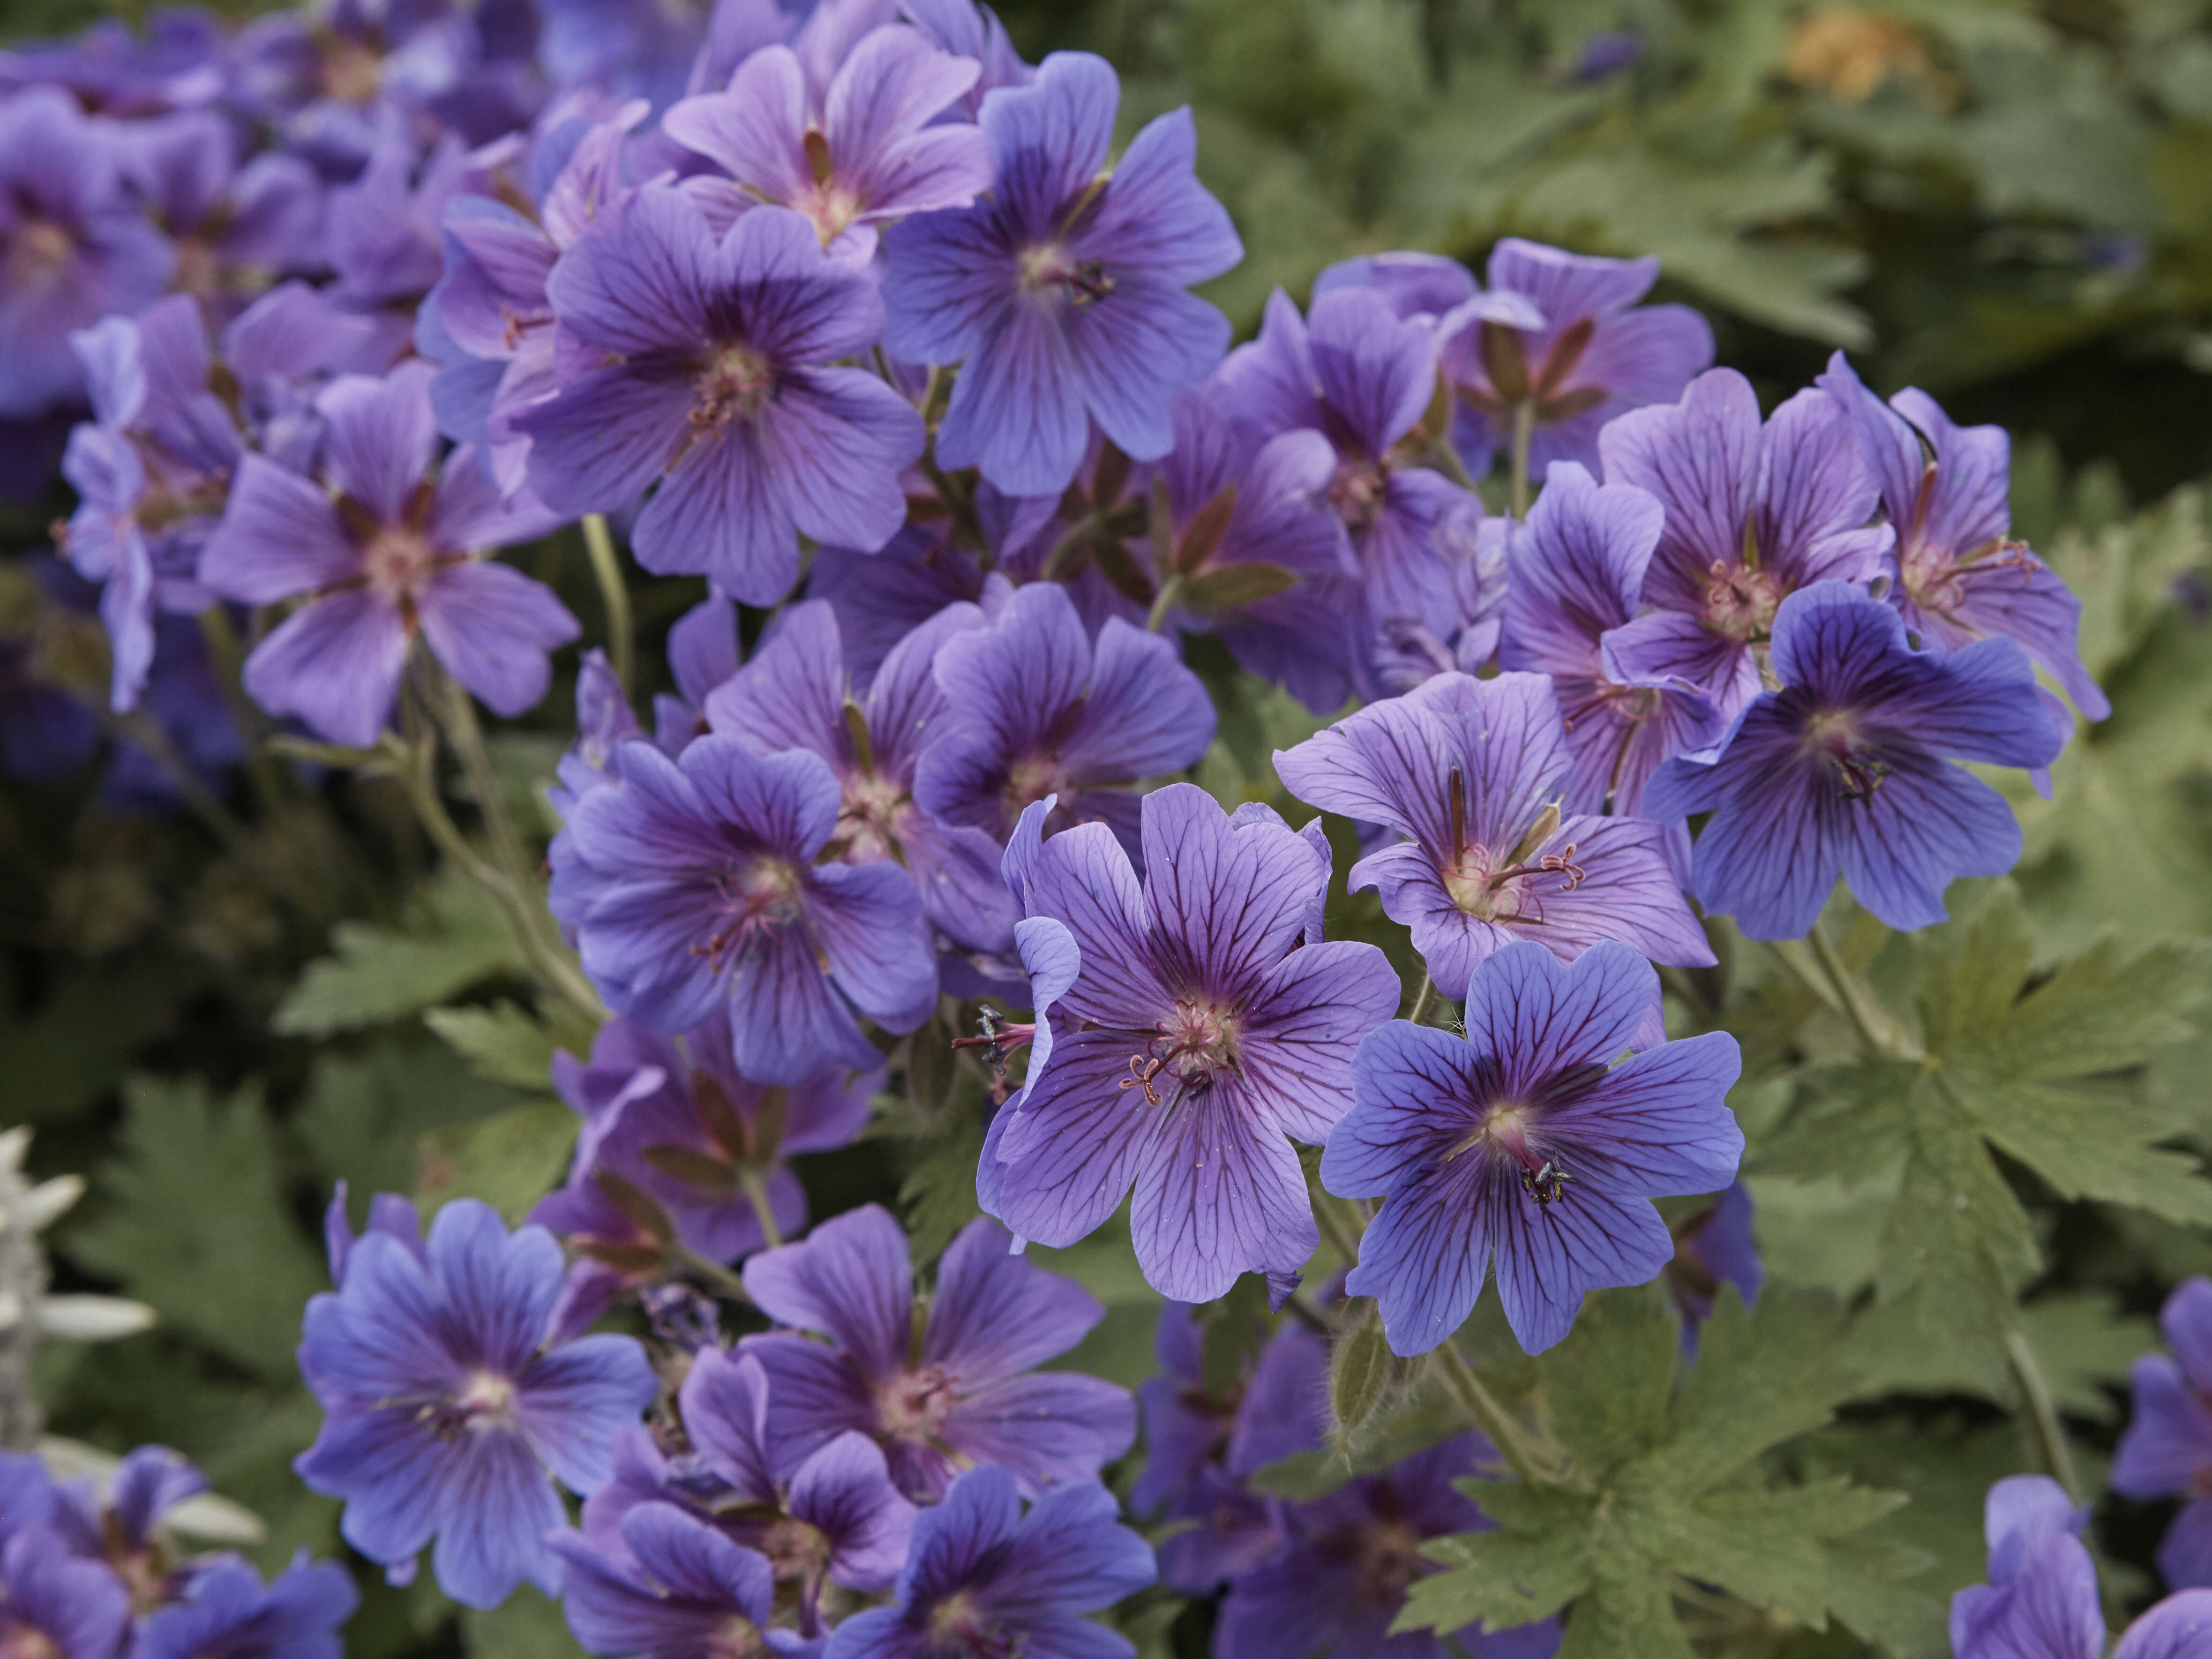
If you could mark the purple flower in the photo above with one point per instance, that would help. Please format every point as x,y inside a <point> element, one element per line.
<point>2041,1601</point>
<point>851,156</point>
<point>1844,769</point>
<point>1753,514</point>
<point>683,1592</point>
<point>1470,771</point>
<point>2166,1451</point>
<point>448,1416</point>
<point>227,1613</point>
<point>832,1514</point>
<point>965,1393</point>
<point>53,1603</point>
<point>984,1579</point>
<point>679,1150</point>
<point>1350,1557</point>
<point>73,246</point>
<point>1594,356</point>
<point>1517,1138</point>
<point>1033,707</point>
<point>1401,652</point>
<point>1713,1248</point>
<point>797,694</point>
<point>380,552</point>
<point>1422,285</point>
<point>1062,293</point>
<point>234,227</point>
<point>1575,574</point>
<point>706,365</point>
<point>1362,377</point>
<point>968,29</point>
<point>1200,1037</point>
<point>692,884</point>
<point>1955,576</point>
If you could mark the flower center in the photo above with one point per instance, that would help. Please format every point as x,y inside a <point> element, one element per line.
<point>1389,1561</point>
<point>352,71</point>
<point>1357,491</point>
<point>1047,268</point>
<point>914,1406</point>
<point>39,252</point>
<point>484,1403</point>
<point>27,1642</point>
<point>736,381</point>
<point>795,1548</point>
<point>958,1629</point>
<point>1030,778</point>
<point>868,822</point>
<point>1833,734</point>
<point>736,1638</point>
<point>1740,602</point>
<point>752,898</point>
<point>398,561</point>
<point>1195,1043</point>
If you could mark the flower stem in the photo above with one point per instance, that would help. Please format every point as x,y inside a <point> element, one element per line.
<point>614,593</point>
<point>1524,430</point>
<point>1165,603</point>
<point>2043,1415</point>
<point>1330,1214</point>
<point>1425,1000</point>
<point>756,1186</point>
<point>1446,460</point>
<point>1488,1414</point>
<point>229,660</point>
<point>140,728</point>
<point>717,1278</point>
<point>1877,1031</point>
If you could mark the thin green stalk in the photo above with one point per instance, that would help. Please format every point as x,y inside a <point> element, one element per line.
<point>1165,603</point>
<point>756,1186</point>
<point>1524,430</point>
<point>1425,1000</point>
<point>718,1278</point>
<point>1876,1030</point>
<point>1488,1414</point>
<point>614,594</point>
<point>2043,1415</point>
<point>1329,1214</point>
<point>229,660</point>
<point>1447,461</point>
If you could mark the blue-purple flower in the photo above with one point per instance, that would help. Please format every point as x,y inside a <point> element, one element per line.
<point>54,1602</point>
<point>1470,771</point>
<point>225,1612</point>
<point>1061,294</point>
<point>1204,1033</point>
<point>864,150</point>
<point>2166,1451</point>
<point>2041,1600</point>
<point>1956,575</point>
<point>966,1394</point>
<point>1846,769</point>
<point>1596,355</point>
<point>449,1415</point>
<point>707,365</point>
<point>985,1579</point>
<point>692,884</point>
<point>797,693</point>
<point>1333,1589</point>
<point>1753,513</point>
<point>1575,575</point>
<point>74,246</point>
<point>378,551</point>
<point>681,1589</point>
<point>1034,707</point>
<point>1526,1140</point>
<point>1715,1247</point>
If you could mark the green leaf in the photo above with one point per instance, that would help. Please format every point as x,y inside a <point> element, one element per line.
<point>191,1219</point>
<point>505,1044</point>
<point>455,938</point>
<point>527,1625</point>
<point>1426,1415</point>
<point>365,1117</point>
<point>1769,1548</point>
<point>938,1197</point>
<point>1764,1377</point>
<point>1535,1562</point>
<point>510,1160</point>
<point>1607,1384</point>
<point>1231,586</point>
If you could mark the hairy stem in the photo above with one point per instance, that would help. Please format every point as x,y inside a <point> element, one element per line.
<point>1425,1000</point>
<point>1488,1414</point>
<point>227,657</point>
<point>614,594</point>
<point>717,1278</point>
<point>1334,1217</point>
<point>2043,1415</point>
<point>1877,1031</point>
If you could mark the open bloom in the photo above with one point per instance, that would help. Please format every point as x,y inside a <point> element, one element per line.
<point>1956,575</point>
<point>1348,1561</point>
<point>1595,355</point>
<point>448,1416</point>
<point>1525,1139</point>
<point>54,1602</point>
<point>1753,513</point>
<point>225,1612</point>
<point>1844,769</point>
<point>797,693</point>
<point>1199,1038</point>
<point>967,1394</point>
<point>2167,1449</point>
<point>682,1587</point>
<point>707,365</point>
<point>1469,771</point>
<point>1575,574</point>
<point>1061,293</point>
<point>380,553</point>
<point>984,1579</point>
<point>2041,1601</point>
<point>851,156</point>
<point>1034,707</point>
<point>1362,377</point>
<point>692,883</point>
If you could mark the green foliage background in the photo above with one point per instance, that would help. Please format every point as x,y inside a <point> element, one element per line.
<point>2009,205</point>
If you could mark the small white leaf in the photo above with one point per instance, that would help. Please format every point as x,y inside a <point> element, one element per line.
<point>93,1318</point>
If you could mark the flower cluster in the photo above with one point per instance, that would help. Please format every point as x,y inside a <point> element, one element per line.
<point>849,315</point>
<point>92,1568</point>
